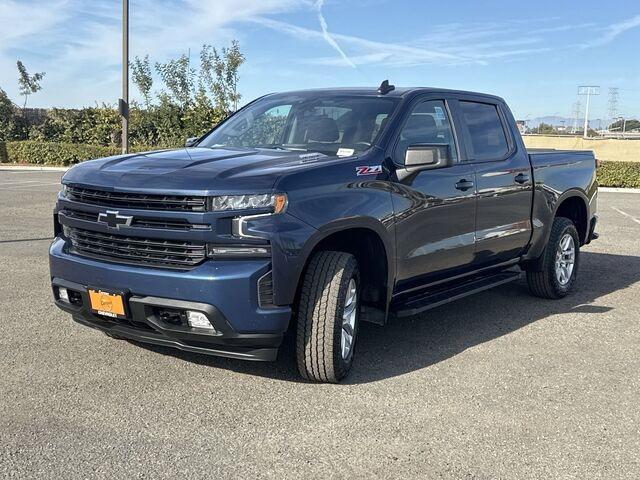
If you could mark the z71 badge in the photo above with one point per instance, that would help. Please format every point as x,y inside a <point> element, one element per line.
<point>368,170</point>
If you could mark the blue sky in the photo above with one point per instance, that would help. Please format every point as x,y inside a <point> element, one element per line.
<point>534,54</point>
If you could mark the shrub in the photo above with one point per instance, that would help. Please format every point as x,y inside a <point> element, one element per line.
<point>619,174</point>
<point>56,153</point>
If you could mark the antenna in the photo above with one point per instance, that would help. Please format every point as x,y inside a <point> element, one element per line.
<point>385,88</point>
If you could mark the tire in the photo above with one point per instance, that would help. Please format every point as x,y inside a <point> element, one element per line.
<point>329,281</point>
<point>542,278</point>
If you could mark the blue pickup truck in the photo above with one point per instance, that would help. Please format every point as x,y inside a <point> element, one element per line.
<point>312,212</point>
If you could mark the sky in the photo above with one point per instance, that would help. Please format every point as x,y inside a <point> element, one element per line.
<point>533,54</point>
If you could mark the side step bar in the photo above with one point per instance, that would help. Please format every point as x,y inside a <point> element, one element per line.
<point>406,306</point>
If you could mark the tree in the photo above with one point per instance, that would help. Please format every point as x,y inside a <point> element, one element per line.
<point>6,116</point>
<point>545,128</point>
<point>220,74</point>
<point>142,77</point>
<point>28,84</point>
<point>179,78</point>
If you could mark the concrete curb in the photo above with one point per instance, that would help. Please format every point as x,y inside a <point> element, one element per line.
<point>618,190</point>
<point>28,168</point>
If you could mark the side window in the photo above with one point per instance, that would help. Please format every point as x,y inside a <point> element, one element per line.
<point>487,135</point>
<point>428,122</point>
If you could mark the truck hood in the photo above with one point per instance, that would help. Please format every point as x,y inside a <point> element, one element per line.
<point>193,170</point>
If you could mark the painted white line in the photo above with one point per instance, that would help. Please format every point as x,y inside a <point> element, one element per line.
<point>26,168</point>
<point>21,182</point>
<point>618,190</point>
<point>626,215</point>
<point>27,187</point>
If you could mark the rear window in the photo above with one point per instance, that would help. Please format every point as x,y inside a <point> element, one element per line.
<point>488,138</point>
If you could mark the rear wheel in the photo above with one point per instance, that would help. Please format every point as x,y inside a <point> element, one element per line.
<point>555,273</point>
<point>328,314</point>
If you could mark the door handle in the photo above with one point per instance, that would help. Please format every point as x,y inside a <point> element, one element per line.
<point>522,178</point>
<point>464,185</point>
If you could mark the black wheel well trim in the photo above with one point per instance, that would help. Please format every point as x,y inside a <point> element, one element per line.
<point>567,195</point>
<point>344,225</point>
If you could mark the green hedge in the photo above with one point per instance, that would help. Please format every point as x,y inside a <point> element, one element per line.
<point>619,174</point>
<point>55,153</point>
<point>610,174</point>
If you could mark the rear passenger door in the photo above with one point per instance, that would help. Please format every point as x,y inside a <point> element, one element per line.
<point>503,179</point>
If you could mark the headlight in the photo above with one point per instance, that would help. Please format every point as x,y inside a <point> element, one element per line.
<point>276,202</point>
<point>64,190</point>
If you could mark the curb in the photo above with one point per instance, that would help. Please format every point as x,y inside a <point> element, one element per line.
<point>618,190</point>
<point>28,168</point>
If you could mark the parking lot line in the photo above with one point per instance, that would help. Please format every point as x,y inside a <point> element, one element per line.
<point>626,215</point>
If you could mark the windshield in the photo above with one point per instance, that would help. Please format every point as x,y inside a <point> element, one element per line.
<point>332,125</point>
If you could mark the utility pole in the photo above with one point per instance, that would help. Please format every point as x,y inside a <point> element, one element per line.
<point>124,101</point>
<point>587,90</point>
<point>576,116</point>
<point>613,104</point>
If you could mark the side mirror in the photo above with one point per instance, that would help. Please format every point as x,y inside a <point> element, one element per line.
<point>190,142</point>
<point>427,156</point>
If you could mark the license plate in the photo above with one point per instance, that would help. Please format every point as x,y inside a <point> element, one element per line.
<point>105,303</point>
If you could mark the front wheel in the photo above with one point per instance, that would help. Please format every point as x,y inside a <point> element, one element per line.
<point>328,313</point>
<point>555,273</point>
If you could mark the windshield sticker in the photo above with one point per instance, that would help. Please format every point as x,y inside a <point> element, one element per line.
<point>345,152</point>
<point>368,170</point>
<point>439,113</point>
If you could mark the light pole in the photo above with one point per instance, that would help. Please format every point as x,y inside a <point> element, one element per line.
<point>587,90</point>
<point>123,105</point>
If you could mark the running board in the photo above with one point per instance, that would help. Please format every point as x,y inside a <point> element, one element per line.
<point>418,303</point>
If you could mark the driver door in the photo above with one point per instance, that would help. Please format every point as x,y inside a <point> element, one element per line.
<point>435,208</point>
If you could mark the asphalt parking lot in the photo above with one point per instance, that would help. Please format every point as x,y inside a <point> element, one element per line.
<point>499,385</point>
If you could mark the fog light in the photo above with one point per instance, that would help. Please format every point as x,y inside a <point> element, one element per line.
<point>63,294</point>
<point>198,320</point>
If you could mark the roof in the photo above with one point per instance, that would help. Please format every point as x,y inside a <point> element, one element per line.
<point>397,92</point>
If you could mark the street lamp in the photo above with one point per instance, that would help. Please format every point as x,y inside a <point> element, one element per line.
<point>587,90</point>
<point>123,104</point>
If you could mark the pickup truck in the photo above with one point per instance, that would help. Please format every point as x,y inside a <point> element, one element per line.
<point>310,212</point>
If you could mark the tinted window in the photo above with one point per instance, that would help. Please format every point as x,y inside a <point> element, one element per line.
<point>485,128</point>
<point>315,122</point>
<point>428,122</point>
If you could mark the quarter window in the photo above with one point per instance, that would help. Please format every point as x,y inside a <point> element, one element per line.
<point>488,138</point>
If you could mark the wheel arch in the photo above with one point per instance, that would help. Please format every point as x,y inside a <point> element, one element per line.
<point>573,205</point>
<point>370,242</point>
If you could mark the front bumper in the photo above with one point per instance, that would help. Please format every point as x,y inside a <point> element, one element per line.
<point>226,291</point>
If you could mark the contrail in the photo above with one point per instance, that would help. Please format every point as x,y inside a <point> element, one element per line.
<point>327,36</point>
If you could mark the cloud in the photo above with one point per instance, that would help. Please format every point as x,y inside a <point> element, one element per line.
<point>613,31</point>
<point>78,43</point>
<point>370,51</point>
<point>327,36</point>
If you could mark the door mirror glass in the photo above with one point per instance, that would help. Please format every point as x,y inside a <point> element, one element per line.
<point>422,156</point>
<point>190,142</point>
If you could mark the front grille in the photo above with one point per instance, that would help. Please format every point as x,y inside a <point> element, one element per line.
<point>136,250</point>
<point>141,222</point>
<point>136,200</point>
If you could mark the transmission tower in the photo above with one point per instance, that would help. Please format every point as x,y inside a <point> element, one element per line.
<point>576,116</point>
<point>613,104</point>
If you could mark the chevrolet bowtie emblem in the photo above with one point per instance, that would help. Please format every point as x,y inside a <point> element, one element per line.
<point>114,220</point>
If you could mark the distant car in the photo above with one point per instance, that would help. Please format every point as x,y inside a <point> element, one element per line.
<point>328,207</point>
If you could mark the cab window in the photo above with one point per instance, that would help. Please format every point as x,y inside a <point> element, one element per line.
<point>428,123</point>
